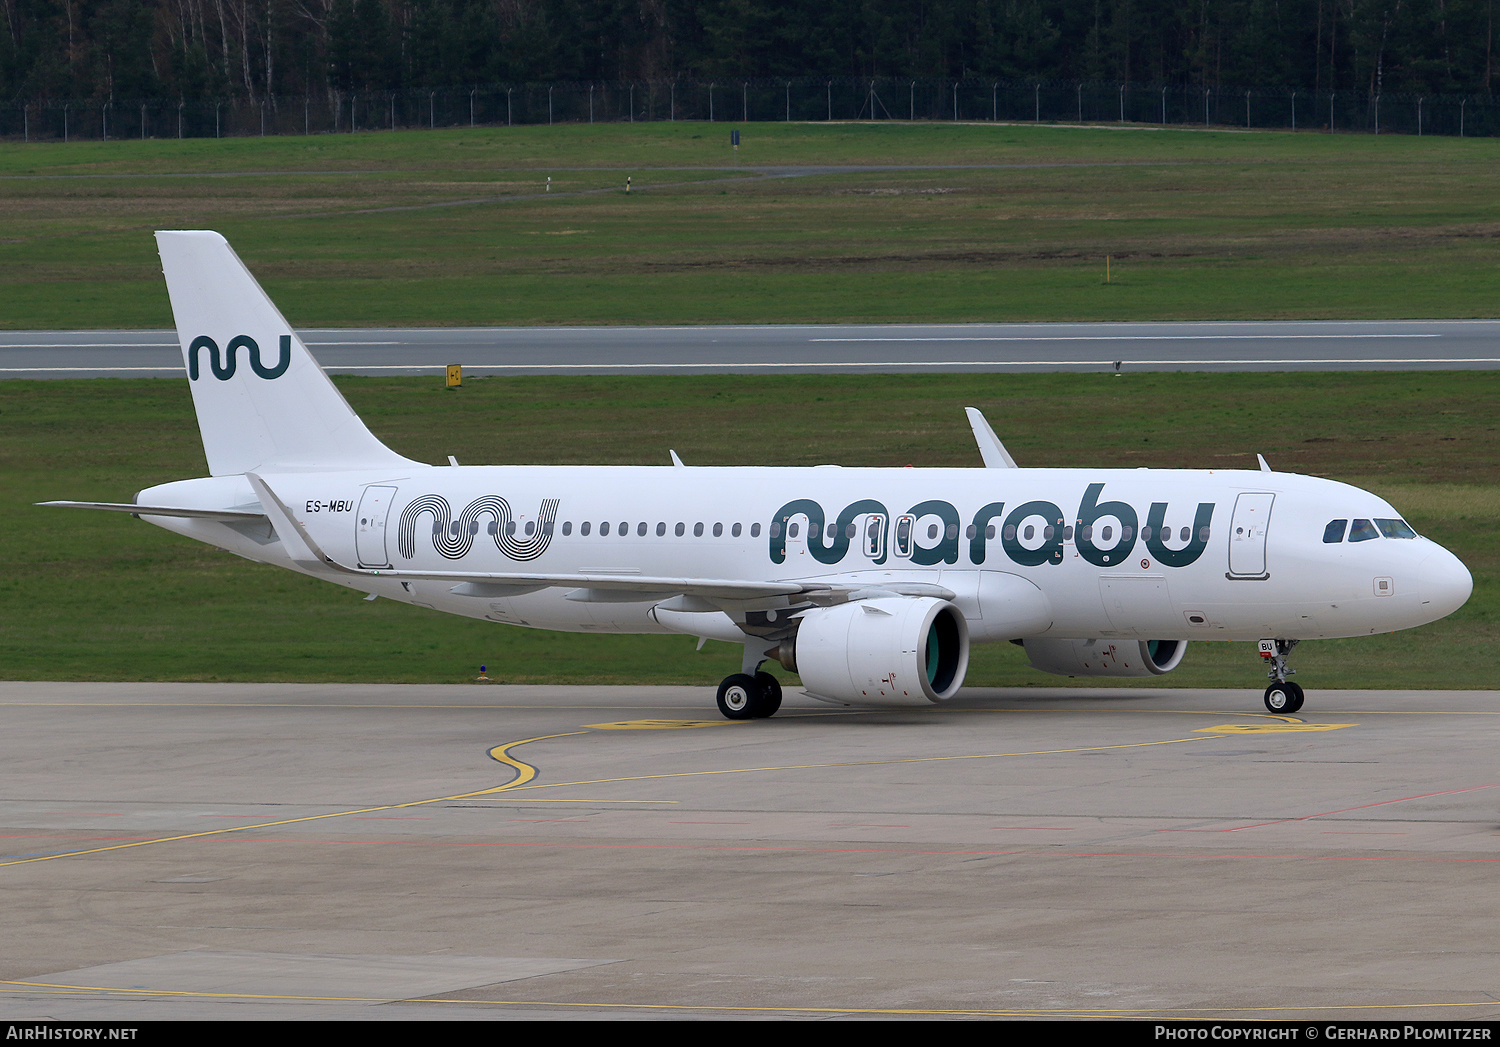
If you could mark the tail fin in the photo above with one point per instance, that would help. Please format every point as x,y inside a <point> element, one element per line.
<point>263,402</point>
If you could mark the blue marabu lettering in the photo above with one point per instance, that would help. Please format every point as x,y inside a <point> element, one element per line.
<point>946,551</point>
<point>224,368</point>
<point>824,548</point>
<point>981,530</point>
<point>1156,540</point>
<point>829,543</point>
<point>1091,510</point>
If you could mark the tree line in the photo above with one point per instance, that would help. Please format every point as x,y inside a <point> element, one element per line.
<point>196,50</point>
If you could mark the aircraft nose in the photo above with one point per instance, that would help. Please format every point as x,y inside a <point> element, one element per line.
<point>1444,583</point>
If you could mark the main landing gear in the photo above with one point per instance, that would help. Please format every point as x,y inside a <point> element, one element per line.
<point>1282,696</point>
<point>746,697</point>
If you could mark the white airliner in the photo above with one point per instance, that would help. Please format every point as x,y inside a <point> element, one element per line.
<point>868,583</point>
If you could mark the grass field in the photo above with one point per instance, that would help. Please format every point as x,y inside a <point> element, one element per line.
<point>102,596</point>
<point>821,222</point>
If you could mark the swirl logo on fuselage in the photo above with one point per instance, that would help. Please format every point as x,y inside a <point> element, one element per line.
<point>454,538</point>
<point>224,369</point>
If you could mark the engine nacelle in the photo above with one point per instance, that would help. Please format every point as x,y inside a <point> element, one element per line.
<point>1105,657</point>
<point>884,651</point>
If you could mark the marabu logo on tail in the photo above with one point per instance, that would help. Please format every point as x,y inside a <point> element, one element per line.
<point>225,371</point>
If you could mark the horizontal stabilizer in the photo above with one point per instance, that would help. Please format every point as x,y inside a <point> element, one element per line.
<point>226,515</point>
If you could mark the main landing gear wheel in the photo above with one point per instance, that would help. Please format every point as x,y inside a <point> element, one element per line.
<point>1283,697</point>
<point>745,697</point>
<point>770,690</point>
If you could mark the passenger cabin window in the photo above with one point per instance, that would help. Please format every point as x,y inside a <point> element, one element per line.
<point>755,530</point>
<point>698,530</point>
<point>1334,532</point>
<point>661,530</point>
<point>583,528</point>
<point>567,528</point>
<point>735,530</point>
<point>1362,531</point>
<point>718,530</point>
<point>681,528</point>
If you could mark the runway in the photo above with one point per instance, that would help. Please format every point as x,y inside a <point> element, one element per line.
<point>817,349</point>
<point>461,852</point>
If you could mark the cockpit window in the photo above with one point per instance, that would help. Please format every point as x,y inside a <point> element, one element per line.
<point>1334,532</point>
<point>1362,531</point>
<point>1395,528</point>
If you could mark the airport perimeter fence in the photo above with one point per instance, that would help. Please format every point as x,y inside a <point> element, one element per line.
<point>748,101</point>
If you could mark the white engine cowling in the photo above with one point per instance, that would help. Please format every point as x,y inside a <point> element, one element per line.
<point>1105,657</point>
<point>884,651</point>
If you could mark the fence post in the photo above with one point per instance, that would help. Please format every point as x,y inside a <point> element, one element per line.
<point>1331,95</point>
<point>1461,105</point>
<point>710,103</point>
<point>508,121</point>
<point>1080,102</point>
<point>591,103</point>
<point>1247,110</point>
<point>104,120</point>
<point>1206,92</point>
<point>1164,104</point>
<point>1122,103</point>
<point>471,105</point>
<point>65,122</point>
<point>672,103</point>
<point>306,115</point>
<point>143,122</point>
<point>788,101</point>
<point>25,121</point>
<point>912,101</point>
<point>632,102</point>
<point>549,105</point>
<point>1294,110</point>
<point>1377,113</point>
<point>955,101</point>
<point>745,104</point>
<point>830,100</point>
<point>1419,118</point>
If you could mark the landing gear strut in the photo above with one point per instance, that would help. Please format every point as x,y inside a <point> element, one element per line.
<point>1282,696</point>
<point>746,697</point>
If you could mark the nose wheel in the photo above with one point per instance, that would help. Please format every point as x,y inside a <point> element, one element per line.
<point>746,697</point>
<point>1282,696</point>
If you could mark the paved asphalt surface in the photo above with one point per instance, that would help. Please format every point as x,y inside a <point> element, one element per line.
<point>1280,346</point>
<point>359,851</point>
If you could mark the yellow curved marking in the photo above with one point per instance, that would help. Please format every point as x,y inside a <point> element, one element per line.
<point>1271,728</point>
<point>657,725</point>
<point>524,773</point>
<point>856,763</point>
<point>1080,1012</point>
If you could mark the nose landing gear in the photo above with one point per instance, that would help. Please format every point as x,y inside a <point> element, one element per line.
<point>1282,696</point>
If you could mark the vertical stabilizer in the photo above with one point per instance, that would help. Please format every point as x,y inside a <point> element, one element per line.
<point>263,402</point>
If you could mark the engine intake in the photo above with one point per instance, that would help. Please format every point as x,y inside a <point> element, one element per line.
<point>884,651</point>
<point>1105,657</point>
